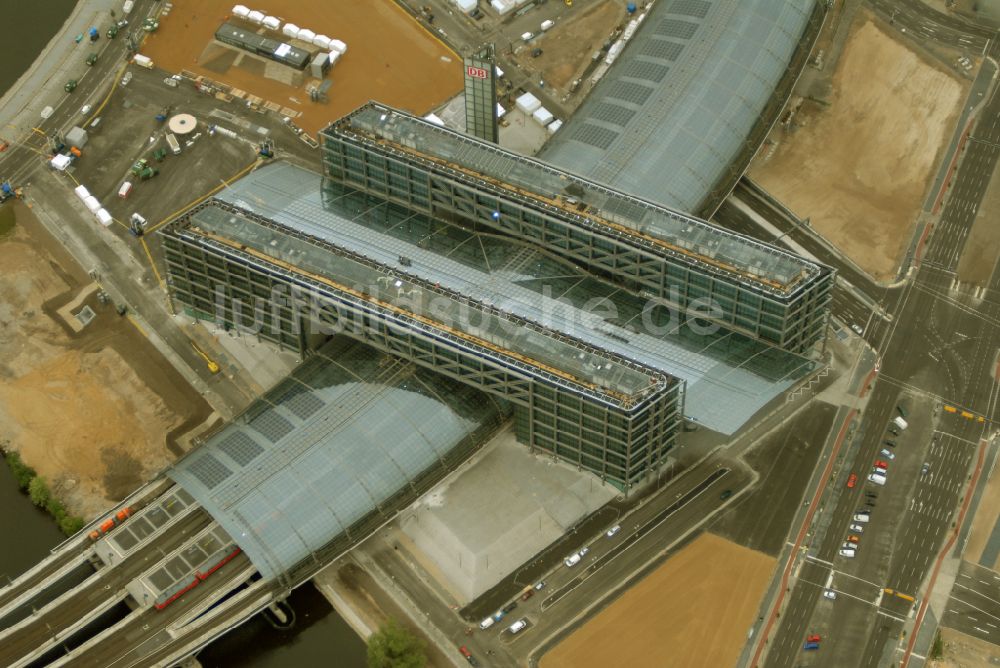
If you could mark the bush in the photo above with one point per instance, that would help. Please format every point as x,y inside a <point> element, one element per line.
<point>70,524</point>
<point>39,492</point>
<point>394,646</point>
<point>937,649</point>
<point>22,472</point>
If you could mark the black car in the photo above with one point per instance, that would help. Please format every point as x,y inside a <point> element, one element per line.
<point>536,52</point>
<point>510,606</point>
<point>891,444</point>
<point>725,495</point>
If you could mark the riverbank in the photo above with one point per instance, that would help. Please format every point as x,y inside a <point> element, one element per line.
<point>41,84</point>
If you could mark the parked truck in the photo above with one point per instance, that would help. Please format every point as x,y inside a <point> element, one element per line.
<point>143,61</point>
<point>175,147</point>
<point>900,422</point>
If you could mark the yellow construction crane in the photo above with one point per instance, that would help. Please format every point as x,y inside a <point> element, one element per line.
<point>212,365</point>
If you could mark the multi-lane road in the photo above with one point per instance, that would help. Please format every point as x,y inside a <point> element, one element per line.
<point>974,605</point>
<point>938,348</point>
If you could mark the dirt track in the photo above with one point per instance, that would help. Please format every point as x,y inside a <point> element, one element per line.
<point>389,58</point>
<point>91,410</point>
<point>692,612</point>
<point>860,167</point>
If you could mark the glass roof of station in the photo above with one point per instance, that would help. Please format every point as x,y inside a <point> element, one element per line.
<point>328,445</point>
<point>771,269</point>
<point>729,376</point>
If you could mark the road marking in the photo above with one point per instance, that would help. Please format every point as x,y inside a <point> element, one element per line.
<point>817,559</point>
<point>880,611</point>
<point>982,630</point>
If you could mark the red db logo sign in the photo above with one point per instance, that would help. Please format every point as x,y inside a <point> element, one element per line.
<point>477,72</point>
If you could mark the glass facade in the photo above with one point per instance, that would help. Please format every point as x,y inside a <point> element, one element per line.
<point>752,288</point>
<point>606,414</point>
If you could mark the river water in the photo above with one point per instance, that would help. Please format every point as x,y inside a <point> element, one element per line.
<point>321,637</point>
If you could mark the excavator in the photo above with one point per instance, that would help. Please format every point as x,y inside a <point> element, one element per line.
<point>213,366</point>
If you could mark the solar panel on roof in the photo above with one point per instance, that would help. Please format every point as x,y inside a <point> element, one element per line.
<point>698,8</point>
<point>271,425</point>
<point>209,470</point>
<point>300,401</point>
<point>677,29</point>
<point>240,447</point>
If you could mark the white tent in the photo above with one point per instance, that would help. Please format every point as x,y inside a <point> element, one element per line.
<point>256,17</point>
<point>104,217</point>
<point>82,192</point>
<point>333,57</point>
<point>92,203</point>
<point>434,118</point>
<point>272,22</point>
<point>553,126</point>
<point>528,103</point>
<point>543,116</point>
<point>322,41</point>
<point>241,11</point>
<point>306,35</point>
<point>61,162</point>
<point>290,29</point>
<point>337,45</point>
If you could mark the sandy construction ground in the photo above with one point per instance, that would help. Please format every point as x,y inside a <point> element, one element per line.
<point>389,58</point>
<point>860,167</point>
<point>92,411</point>
<point>568,46</point>
<point>965,651</point>
<point>692,612</point>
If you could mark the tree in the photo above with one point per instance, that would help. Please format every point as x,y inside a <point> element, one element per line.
<point>38,492</point>
<point>22,472</point>
<point>937,649</point>
<point>394,646</point>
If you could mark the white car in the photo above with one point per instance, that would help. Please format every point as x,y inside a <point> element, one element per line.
<point>844,552</point>
<point>861,517</point>
<point>830,594</point>
<point>85,109</point>
<point>857,330</point>
<point>583,551</point>
<point>887,453</point>
<point>877,478</point>
<point>572,560</point>
<point>613,530</point>
<point>126,78</point>
<point>518,625</point>
<point>857,528</point>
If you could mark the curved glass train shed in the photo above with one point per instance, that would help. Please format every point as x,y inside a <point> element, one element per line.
<point>331,452</point>
<point>675,108</point>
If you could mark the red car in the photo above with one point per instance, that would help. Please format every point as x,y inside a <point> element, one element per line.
<point>852,480</point>
<point>882,464</point>
<point>813,638</point>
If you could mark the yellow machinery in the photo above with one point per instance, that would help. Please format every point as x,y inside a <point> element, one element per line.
<point>212,365</point>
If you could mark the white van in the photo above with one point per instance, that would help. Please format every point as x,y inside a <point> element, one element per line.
<point>877,478</point>
<point>844,552</point>
<point>486,623</point>
<point>900,422</point>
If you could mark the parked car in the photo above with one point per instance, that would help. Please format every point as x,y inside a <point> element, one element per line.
<point>887,453</point>
<point>528,594</point>
<point>845,552</point>
<point>518,625</point>
<point>726,494</point>
<point>486,623</point>
<point>862,516</point>
<point>830,594</point>
<point>583,551</point>
<point>858,330</point>
<point>925,468</point>
<point>613,530</point>
<point>881,464</point>
<point>857,528</point>
<point>853,539</point>
<point>852,480</point>
<point>572,560</point>
<point>510,606</point>
<point>813,637</point>
<point>890,443</point>
<point>540,586</point>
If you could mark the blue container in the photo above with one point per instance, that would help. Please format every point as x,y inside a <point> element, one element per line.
<point>630,8</point>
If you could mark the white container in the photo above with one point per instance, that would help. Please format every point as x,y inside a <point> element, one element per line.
<point>92,203</point>
<point>306,35</point>
<point>61,162</point>
<point>435,119</point>
<point>322,41</point>
<point>547,24</point>
<point>291,30</point>
<point>630,29</point>
<point>554,126</point>
<point>543,116</point>
<point>528,103</point>
<point>103,217</point>
<point>272,22</point>
<point>334,55</point>
<point>613,52</point>
<point>241,11</point>
<point>255,17</point>
<point>502,6</point>
<point>500,110</point>
<point>82,192</point>
<point>466,5</point>
<point>337,45</point>
<point>143,61</point>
